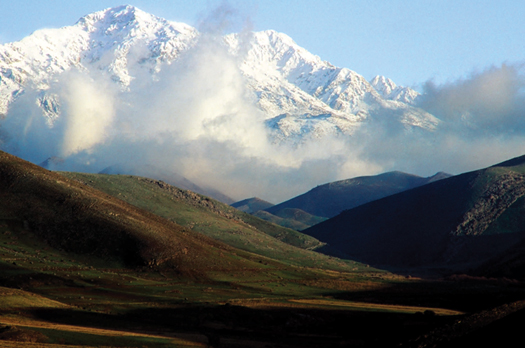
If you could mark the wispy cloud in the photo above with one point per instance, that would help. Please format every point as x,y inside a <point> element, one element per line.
<point>492,100</point>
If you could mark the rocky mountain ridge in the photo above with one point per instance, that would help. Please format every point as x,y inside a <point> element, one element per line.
<point>299,94</point>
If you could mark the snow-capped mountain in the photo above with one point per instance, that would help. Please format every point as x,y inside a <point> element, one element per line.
<point>113,41</point>
<point>307,95</point>
<point>300,95</point>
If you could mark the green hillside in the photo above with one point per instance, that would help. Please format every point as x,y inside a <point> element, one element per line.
<point>212,218</point>
<point>295,219</point>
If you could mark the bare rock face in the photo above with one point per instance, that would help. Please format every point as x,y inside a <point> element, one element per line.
<point>491,203</point>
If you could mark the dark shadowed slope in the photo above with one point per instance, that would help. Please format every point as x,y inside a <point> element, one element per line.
<point>330,199</point>
<point>461,222</point>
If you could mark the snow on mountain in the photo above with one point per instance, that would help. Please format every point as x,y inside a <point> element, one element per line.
<point>116,41</point>
<point>301,96</point>
<point>125,36</point>
<point>389,90</point>
<point>306,95</point>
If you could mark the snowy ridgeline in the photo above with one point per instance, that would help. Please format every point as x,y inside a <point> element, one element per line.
<point>296,93</point>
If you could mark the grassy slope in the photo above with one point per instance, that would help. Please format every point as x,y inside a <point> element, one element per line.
<point>300,216</point>
<point>212,218</point>
<point>85,300</point>
<point>288,223</point>
<point>295,219</point>
<point>76,218</point>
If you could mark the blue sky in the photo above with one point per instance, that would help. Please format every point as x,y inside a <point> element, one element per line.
<point>408,41</point>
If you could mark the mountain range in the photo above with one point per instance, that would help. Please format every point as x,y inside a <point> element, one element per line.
<point>330,199</point>
<point>466,223</point>
<point>297,92</point>
<point>122,79</point>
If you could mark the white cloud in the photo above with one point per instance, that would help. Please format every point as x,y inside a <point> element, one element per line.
<point>88,112</point>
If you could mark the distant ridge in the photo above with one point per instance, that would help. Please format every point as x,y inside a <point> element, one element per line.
<point>330,199</point>
<point>251,205</point>
<point>293,218</point>
<point>512,162</point>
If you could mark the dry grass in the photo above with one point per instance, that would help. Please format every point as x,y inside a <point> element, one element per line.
<point>375,306</point>
<point>14,299</point>
<point>177,339</point>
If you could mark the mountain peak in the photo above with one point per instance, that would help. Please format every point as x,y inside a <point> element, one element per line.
<point>383,85</point>
<point>389,90</point>
<point>279,45</point>
<point>116,21</point>
<point>119,14</point>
